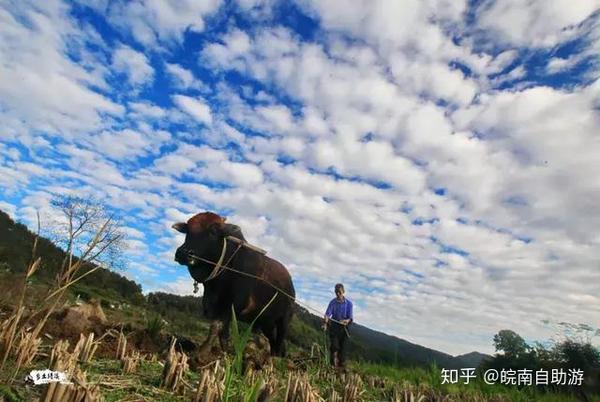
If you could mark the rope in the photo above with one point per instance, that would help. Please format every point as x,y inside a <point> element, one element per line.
<point>278,289</point>
<point>217,269</point>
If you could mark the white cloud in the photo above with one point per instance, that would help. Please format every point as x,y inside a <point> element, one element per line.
<point>10,209</point>
<point>91,167</point>
<point>195,107</point>
<point>150,21</point>
<point>53,96</point>
<point>534,23</point>
<point>184,78</point>
<point>183,286</point>
<point>135,65</point>
<point>127,144</point>
<point>235,43</point>
<point>532,125</point>
<point>233,173</point>
<point>279,116</point>
<point>147,110</point>
<point>134,233</point>
<point>143,269</point>
<point>384,23</point>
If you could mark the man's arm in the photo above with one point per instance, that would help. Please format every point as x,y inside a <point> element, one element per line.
<point>350,313</point>
<point>328,313</point>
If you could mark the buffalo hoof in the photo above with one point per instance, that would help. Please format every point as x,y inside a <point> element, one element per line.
<point>210,350</point>
<point>257,354</point>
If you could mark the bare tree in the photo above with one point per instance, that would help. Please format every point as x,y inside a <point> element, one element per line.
<point>91,236</point>
<point>92,239</point>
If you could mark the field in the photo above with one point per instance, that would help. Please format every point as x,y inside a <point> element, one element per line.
<point>139,373</point>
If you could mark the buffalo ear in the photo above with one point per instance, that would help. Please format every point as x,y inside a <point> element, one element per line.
<point>180,227</point>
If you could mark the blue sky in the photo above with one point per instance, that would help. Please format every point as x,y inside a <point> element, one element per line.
<point>438,157</point>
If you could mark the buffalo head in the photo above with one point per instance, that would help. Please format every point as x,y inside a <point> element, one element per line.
<point>204,235</point>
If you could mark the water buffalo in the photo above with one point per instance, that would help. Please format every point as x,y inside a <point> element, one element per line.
<point>205,233</point>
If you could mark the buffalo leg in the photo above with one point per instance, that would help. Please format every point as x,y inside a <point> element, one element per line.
<point>269,332</point>
<point>224,333</point>
<point>278,349</point>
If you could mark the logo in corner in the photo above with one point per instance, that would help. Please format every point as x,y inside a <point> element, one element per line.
<point>39,377</point>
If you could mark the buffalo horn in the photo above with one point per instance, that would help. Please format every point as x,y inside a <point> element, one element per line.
<point>180,227</point>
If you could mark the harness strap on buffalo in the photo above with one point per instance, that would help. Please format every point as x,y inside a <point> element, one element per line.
<point>219,267</point>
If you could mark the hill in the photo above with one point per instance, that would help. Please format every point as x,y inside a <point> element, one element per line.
<point>473,359</point>
<point>113,289</point>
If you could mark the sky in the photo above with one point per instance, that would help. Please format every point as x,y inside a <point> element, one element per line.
<point>441,158</point>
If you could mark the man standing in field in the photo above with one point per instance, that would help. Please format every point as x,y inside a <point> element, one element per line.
<point>338,317</point>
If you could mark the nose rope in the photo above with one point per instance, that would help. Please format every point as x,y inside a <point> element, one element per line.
<point>217,269</point>
<point>218,266</point>
<point>225,266</point>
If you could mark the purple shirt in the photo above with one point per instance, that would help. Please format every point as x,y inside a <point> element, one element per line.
<point>339,310</point>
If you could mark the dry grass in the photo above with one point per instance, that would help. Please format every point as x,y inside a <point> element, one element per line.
<point>76,391</point>
<point>130,363</point>
<point>175,367</point>
<point>27,348</point>
<point>85,348</point>
<point>299,389</point>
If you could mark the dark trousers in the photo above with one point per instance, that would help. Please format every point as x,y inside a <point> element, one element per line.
<point>337,343</point>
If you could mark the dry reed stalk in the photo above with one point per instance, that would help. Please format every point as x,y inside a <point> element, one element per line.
<point>407,395</point>
<point>353,389</point>
<point>217,367</point>
<point>8,329</point>
<point>86,347</point>
<point>133,398</point>
<point>210,396</point>
<point>300,390</point>
<point>121,346</point>
<point>267,390</point>
<point>174,369</point>
<point>377,382</point>
<point>27,349</point>
<point>200,389</point>
<point>118,381</point>
<point>210,386</point>
<point>287,388</point>
<point>172,346</point>
<point>76,391</point>
<point>268,371</point>
<point>59,350</point>
<point>131,363</point>
<point>315,350</point>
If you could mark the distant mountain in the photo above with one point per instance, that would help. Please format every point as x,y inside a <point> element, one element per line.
<point>365,344</point>
<point>473,359</point>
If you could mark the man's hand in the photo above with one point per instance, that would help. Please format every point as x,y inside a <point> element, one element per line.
<point>345,322</point>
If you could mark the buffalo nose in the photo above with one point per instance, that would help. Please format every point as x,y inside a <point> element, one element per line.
<point>180,254</point>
